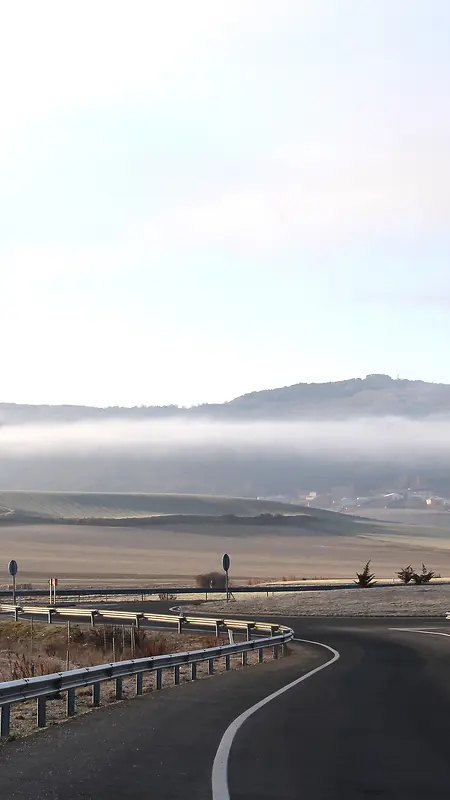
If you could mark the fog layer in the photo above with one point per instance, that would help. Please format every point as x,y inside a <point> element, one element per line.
<point>391,438</point>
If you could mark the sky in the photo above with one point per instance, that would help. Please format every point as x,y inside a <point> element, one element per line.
<point>203,199</point>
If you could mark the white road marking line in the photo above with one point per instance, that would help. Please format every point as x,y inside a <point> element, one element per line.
<point>418,630</point>
<point>220,790</point>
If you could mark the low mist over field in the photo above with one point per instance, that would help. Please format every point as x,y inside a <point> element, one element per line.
<point>374,438</point>
<point>358,434</point>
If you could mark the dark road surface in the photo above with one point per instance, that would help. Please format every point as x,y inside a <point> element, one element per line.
<point>374,724</point>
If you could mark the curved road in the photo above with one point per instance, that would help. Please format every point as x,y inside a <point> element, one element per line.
<point>375,723</point>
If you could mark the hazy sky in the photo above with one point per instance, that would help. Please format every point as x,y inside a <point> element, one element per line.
<point>199,199</point>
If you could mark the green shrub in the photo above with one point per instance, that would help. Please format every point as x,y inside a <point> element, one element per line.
<point>365,578</point>
<point>406,574</point>
<point>424,576</point>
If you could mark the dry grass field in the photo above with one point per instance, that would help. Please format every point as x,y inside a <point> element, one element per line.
<point>102,555</point>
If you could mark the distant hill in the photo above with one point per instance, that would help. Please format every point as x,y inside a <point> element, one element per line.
<point>31,506</point>
<point>375,395</point>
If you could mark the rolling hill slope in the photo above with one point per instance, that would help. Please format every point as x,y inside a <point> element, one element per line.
<point>96,505</point>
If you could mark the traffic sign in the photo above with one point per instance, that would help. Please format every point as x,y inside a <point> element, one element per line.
<point>226,565</point>
<point>12,567</point>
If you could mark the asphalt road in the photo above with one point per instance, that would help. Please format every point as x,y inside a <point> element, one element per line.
<point>376,723</point>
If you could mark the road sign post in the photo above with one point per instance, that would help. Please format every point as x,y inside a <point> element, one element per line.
<point>52,584</point>
<point>226,566</point>
<point>12,568</point>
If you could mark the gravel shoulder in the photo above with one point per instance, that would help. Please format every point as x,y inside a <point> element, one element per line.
<point>395,601</point>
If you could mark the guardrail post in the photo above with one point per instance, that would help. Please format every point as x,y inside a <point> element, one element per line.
<point>217,628</point>
<point>180,625</point>
<point>96,694</point>
<point>260,655</point>
<point>244,658</point>
<point>119,688</point>
<point>159,679</point>
<point>249,632</point>
<point>93,618</point>
<point>139,680</point>
<point>16,614</point>
<point>194,671</point>
<point>176,675</point>
<point>5,720</point>
<point>227,662</point>
<point>211,666</point>
<point>70,702</point>
<point>49,618</point>
<point>275,651</point>
<point>41,712</point>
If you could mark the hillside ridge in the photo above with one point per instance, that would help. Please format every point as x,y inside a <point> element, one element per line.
<point>374,395</point>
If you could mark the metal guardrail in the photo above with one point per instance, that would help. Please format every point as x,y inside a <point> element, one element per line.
<point>48,687</point>
<point>135,591</point>
<point>140,619</point>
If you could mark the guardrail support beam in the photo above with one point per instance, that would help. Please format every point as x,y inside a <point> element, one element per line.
<point>70,702</point>
<point>96,694</point>
<point>41,712</point>
<point>211,666</point>
<point>275,651</point>
<point>244,658</point>
<point>176,675</point>
<point>159,679</point>
<point>260,655</point>
<point>227,663</point>
<point>139,681</point>
<point>5,720</point>
<point>194,670</point>
<point>119,688</point>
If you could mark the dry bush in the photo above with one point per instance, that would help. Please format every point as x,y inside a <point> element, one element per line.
<point>211,580</point>
<point>167,596</point>
<point>23,666</point>
<point>153,645</point>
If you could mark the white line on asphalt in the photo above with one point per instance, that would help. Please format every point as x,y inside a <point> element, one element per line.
<point>220,789</point>
<point>417,630</point>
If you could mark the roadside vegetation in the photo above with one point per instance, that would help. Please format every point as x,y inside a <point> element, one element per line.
<point>29,649</point>
<point>407,575</point>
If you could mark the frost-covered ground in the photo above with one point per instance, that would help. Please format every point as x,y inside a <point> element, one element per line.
<point>396,601</point>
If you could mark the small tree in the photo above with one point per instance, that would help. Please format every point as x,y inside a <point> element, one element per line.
<point>424,576</point>
<point>366,577</point>
<point>406,574</point>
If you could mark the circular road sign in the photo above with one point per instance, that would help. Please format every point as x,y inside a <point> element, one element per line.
<point>226,562</point>
<point>12,567</point>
